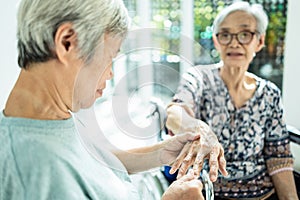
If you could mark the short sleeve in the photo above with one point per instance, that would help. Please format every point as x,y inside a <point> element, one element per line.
<point>186,90</point>
<point>189,88</point>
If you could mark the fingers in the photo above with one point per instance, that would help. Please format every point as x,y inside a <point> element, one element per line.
<point>215,155</point>
<point>213,163</point>
<point>198,164</point>
<point>184,167</point>
<point>187,177</point>
<point>222,162</point>
<point>179,160</point>
<point>189,159</point>
<point>187,187</point>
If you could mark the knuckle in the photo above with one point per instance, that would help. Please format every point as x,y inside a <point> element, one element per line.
<point>177,161</point>
<point>222,161</point>
<point>213,163</point>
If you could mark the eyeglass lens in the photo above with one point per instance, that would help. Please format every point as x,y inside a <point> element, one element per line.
<point>243,37</point>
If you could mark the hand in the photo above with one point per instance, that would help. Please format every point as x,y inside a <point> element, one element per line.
<point>180,119</point>
<point>207,147</point>
<point>194,154</point>
<point>175,148</point>
<point>187,187</point>
<point>211,149</point>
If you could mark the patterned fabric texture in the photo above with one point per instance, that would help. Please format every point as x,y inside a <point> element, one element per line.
<point>254,137</point>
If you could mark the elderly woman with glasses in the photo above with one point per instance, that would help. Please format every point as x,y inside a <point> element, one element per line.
<point>244,111</point>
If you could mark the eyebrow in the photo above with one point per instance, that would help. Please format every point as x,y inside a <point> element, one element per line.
<point>246,26</point>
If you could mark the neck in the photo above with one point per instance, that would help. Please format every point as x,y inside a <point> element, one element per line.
<point>233,78</point>
<point>36,94</point>
<point>240,84</point>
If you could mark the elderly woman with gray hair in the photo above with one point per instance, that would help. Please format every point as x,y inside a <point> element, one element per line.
<point>243,110</point>
<point>65,54</point>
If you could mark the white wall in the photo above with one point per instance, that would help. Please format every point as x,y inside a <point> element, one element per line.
<point>291,79</point>
<point>291,83</point>
<point>9,69</point>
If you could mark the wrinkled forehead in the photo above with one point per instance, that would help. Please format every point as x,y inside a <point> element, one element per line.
<point>238,20</point>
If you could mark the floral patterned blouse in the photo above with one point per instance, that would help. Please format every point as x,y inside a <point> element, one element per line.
<point>254,137</point>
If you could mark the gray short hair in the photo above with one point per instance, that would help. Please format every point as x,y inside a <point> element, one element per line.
<point>256,10</point>
<point>38,21</point>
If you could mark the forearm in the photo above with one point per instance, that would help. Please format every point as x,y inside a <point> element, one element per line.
<point>140,159</point>
<point>162,153</point>
<point>285,185</point>
<point>180,119</point>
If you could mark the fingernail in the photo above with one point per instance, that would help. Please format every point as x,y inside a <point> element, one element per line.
<point>213,178</point>
<point>172,171</point>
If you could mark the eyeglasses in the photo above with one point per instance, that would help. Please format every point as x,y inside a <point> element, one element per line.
<point>243,37</point>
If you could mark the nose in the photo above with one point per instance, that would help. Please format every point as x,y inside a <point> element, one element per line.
<point>110,74</point>
<point>234,41</point>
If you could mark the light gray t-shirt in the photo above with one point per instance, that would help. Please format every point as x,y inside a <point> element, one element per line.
<point>45,160</point>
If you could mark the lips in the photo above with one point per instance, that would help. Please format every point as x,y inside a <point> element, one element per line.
<point>234,54</point>
<point>99,92</point>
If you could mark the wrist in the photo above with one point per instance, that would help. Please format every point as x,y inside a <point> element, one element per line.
<point>192,126</point>
<point>197,126</point>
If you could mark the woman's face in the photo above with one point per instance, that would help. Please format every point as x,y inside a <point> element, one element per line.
<point>235,54</point>
<point>92,77</point>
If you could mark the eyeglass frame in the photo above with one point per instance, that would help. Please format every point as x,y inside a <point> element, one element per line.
<point>236,36</point>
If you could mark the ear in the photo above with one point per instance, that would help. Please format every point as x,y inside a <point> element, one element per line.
<point>65,43</point>
<point>261,43</point>
<point>216,43</point>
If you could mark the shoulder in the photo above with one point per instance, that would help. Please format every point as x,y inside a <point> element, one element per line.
<point>268,94</point>
<point>203,74</point>
<point>272,88</point>
<point>9,178</point>
<point>200,70</point>
<point>266,87</point>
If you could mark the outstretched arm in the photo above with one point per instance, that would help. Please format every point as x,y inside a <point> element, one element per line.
<point>162,153</point>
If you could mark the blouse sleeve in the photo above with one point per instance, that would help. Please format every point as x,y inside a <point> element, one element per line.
<point>188,89</point>
<point>277,144</point>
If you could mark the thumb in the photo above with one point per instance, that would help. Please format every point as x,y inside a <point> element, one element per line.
<point>188,177</point>
<point>188,110</point>
<point>196,183</point>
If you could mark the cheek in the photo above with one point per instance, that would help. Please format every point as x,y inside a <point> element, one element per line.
<point>222,52</point>
<point>251,53</point>
<point>85,86</point>
<point>106,73</point>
